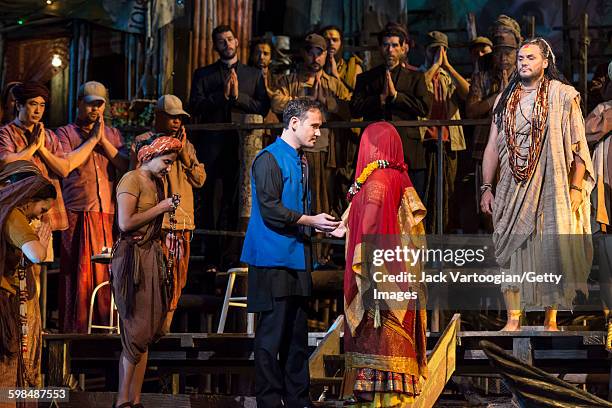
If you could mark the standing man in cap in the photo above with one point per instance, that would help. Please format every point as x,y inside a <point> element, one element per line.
<point>479,47</point>
<point>90,206</point>
<point>185,174</point>
<point>391,91</point>
<point>313,82</point>
<point>446,87</point>
<point>221,93</point>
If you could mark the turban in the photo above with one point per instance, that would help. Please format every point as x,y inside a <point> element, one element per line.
<point>29,90</point>
<point>159,147</point>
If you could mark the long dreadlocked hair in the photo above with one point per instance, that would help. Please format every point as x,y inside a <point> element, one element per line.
<point>551,72</point>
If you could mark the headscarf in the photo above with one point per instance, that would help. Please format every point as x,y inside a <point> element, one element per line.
<point>19,166</point>
<point>374,208</point>
<point>16,194</point>
<point>159,147</point>
<point>11,196</point>
<point>29,90</point>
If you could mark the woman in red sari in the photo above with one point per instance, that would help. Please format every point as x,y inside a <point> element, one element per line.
<point>384,344</point>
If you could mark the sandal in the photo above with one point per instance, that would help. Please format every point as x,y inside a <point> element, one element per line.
<point>124,405</point>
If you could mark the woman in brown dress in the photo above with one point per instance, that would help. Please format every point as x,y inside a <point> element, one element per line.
<point>25,195</point>
<point>141,277</point>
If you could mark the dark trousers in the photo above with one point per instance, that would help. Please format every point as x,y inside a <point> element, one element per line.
<point>281,355</point>
<point>219,198</point>
<point>418,181</point>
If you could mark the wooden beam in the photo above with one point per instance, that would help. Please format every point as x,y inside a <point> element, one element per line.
<point>585,41</point>
<point>567,44</point>
<point>330,345</point>
<point>440,364</point>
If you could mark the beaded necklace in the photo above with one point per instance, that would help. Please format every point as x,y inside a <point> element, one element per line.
<point>539,117</point>
<point>176,199</point>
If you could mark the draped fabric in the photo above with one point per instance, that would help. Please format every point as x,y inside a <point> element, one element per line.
<point>373,209</point>
<point>17,369</point>
<point>535,217</point>
<point>390,358</point>
<point>10,197</point>
<point>139,277</point>
<point>87,234</point>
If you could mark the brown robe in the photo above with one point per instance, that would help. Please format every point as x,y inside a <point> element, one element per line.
<point>141,287</point>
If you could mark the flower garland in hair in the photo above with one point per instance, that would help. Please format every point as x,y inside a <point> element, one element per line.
<point>368,170</point>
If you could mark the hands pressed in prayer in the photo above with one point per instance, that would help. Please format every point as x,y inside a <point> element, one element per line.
<point>388,88</point>
<point>99,131</point>
<point>228,87</point>
<point>234,83</point>
<point>333,66</point>
<point>439,57</point>
<point>44,234</point>
<point>183,153</point>
<point>38,136</point>
<point>319,92</point>
<point>444,59</point>
<point>390,85</point>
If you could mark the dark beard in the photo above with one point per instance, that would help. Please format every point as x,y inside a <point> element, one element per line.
<point>311,68</point>
<point>225,56</point>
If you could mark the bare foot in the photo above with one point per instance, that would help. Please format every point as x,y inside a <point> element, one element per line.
<point>551,327</point>
<point>512,325</point>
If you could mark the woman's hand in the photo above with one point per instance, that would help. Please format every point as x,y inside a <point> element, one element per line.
<point>339,232</point>
<point>166,205</point>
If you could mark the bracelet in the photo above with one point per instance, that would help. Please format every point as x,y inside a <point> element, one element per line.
<point>575,187</point>
<point>485,186</point>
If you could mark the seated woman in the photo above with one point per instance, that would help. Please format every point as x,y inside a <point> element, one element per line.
<point>141,276</point>
<point>25,195</point>
<point>384,345</point>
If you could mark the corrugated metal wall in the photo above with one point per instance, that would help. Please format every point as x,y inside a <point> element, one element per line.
<point>210,13</point>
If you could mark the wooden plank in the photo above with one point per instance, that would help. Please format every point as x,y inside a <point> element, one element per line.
<point>567,41</point>
<point>106,399</point>
<point>583,60</point>
<point>441,365</point>
<point>330,345</point>
<point>537,354</point>
<point>528,332</point>
<point>58,367</point>
<point>521,349</point>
